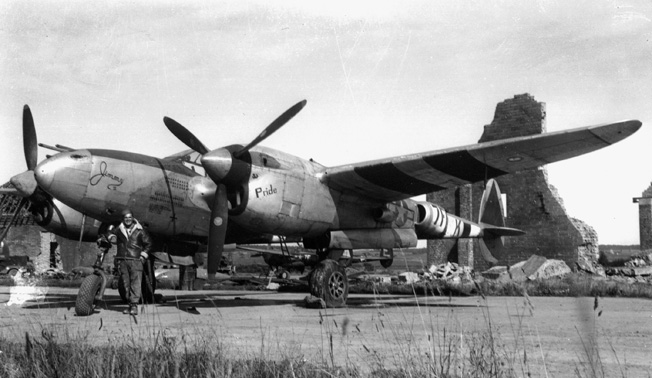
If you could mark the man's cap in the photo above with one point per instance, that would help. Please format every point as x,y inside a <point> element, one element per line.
<point>126,211</point>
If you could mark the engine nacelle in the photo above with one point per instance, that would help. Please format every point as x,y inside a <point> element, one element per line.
<point>434,222</point>
<point>63,221</point>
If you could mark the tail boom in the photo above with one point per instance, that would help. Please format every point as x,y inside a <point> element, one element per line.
<point>435,223</point>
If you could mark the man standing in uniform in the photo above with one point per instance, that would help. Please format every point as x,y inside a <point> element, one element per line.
<point>134,245</point>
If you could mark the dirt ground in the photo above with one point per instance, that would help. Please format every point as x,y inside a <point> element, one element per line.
<point>542,336</point>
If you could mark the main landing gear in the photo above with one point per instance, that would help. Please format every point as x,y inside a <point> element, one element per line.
<point>328,280</point>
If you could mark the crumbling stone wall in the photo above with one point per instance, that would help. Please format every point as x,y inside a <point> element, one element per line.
<point>532,204</point>
<point>645,219</point>
<point>45,250</point>
<point>588,253</point>
<point>24,241</point>
<point>74,254</point>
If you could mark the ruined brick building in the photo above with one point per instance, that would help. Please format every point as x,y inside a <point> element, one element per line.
<point>532,204</point>
<point>645,218</point>
<point>26,241</point>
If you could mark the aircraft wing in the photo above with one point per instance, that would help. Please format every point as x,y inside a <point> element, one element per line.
<point>407,176</point>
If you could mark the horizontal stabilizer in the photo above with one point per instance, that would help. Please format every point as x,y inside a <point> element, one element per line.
<point>501,231</point>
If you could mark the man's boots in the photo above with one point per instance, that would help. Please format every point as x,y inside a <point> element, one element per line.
<point>132,310</point>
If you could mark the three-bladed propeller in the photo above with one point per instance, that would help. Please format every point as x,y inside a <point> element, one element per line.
<point>228,167</point>
<point>25,183</point>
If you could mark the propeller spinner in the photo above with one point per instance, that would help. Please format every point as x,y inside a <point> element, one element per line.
<point>228,168</point>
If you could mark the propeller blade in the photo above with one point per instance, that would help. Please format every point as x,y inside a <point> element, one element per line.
<point>217,230</point>
<point>29,139</point>
<point>271,129</point>
<point>184,135</point>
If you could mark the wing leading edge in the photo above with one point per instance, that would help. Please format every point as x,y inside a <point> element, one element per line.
<point>407,176</point>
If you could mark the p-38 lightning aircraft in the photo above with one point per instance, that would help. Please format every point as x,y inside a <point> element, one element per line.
<point>250,192</point>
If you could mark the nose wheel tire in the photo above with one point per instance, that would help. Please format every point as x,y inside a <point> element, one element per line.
<point>85,303</point>
<point>329,282</point>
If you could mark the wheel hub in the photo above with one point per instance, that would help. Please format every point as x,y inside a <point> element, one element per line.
<point>336,285</point>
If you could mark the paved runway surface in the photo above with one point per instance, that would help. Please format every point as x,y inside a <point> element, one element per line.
<point>372,329</point>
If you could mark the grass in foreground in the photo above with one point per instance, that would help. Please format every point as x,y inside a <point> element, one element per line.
<point>417,349</point>
<point>477,354</point>
<point>48,357</point>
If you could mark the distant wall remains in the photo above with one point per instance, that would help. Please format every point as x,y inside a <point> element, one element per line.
<point>533,205</point>
<point>645,219</point>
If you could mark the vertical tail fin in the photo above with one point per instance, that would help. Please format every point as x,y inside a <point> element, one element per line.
<point>492,221</point>
<point>491,205</point>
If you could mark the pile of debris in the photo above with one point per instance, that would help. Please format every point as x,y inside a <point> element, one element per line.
<point>636,269</point>
<point>450,272</point>
<point>534,268</point>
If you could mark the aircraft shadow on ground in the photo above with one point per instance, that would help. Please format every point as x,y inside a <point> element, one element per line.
<point>192,302</point>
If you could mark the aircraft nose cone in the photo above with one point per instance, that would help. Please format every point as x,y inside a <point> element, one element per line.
<point>44,173</point>
<point>65,175</point>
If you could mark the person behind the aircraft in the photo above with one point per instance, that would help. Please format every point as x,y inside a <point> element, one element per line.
<point>133,244</point>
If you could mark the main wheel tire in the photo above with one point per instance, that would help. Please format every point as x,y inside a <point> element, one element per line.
<point>283,274</point>
<point>386,263</point>
<point>329,282</point>
<point>85,303</point>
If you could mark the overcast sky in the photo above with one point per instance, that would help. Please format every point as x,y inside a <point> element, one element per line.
<point>381,79</point>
